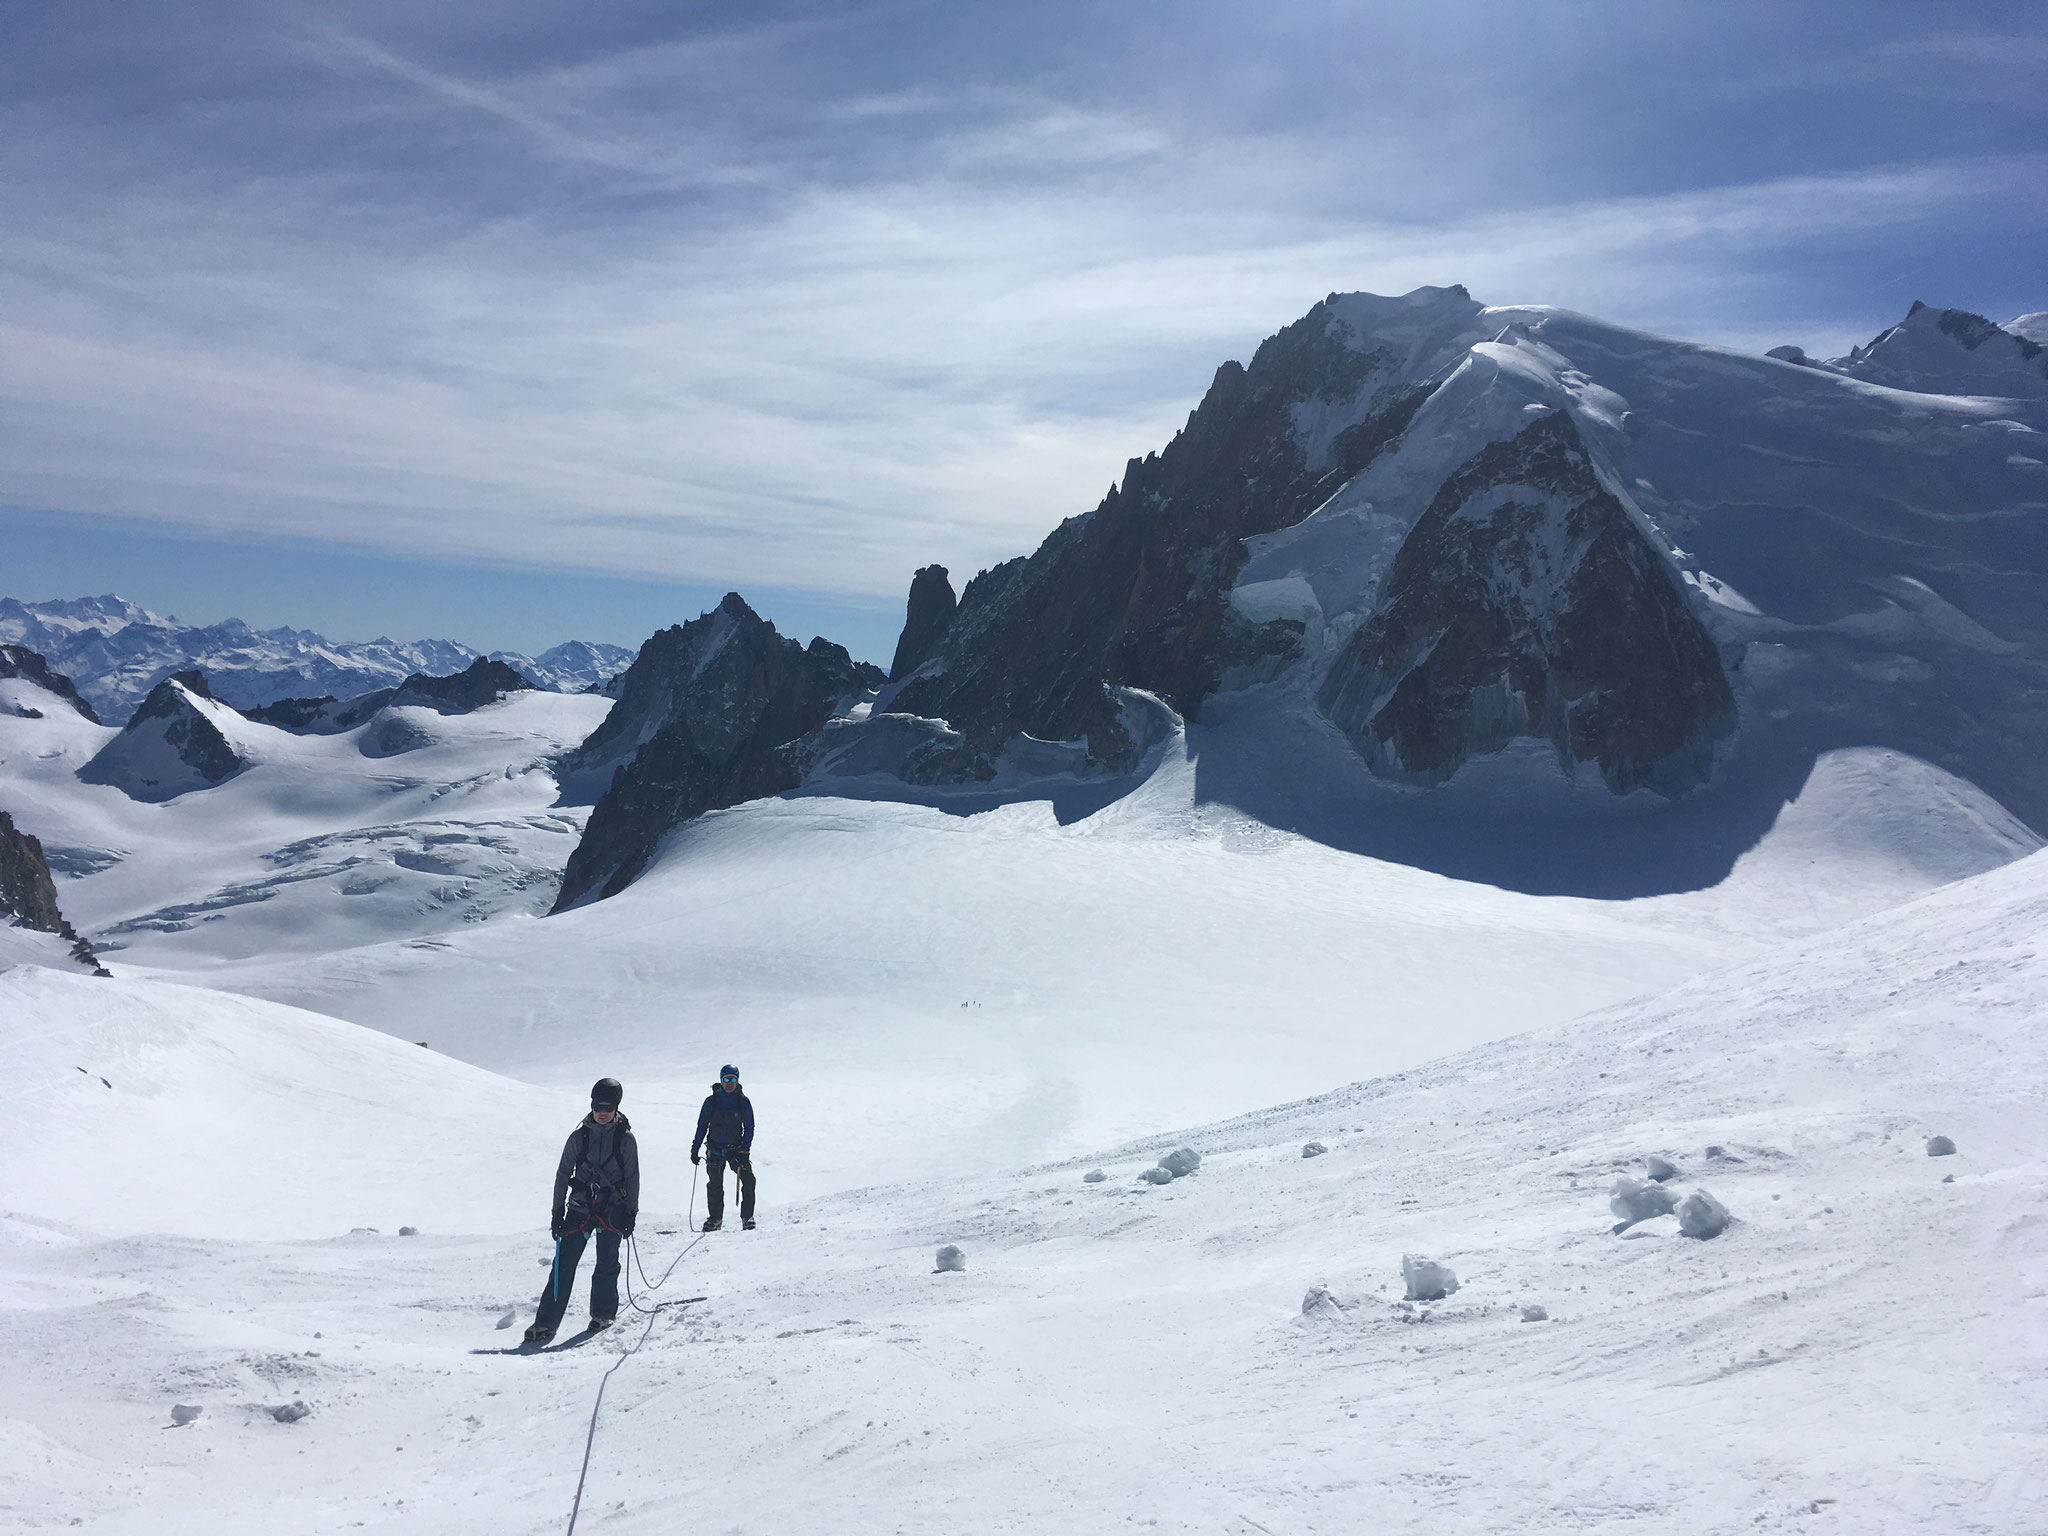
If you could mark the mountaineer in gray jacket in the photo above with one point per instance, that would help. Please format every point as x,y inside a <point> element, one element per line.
<point>597,1189</point>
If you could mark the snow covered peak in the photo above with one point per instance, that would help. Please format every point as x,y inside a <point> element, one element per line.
<point>104,615</point>
<point>116,651</point>
<point>2032,327</point>
<point>1424,317</point>
<point>179,739</point>
<point>1951,352</point>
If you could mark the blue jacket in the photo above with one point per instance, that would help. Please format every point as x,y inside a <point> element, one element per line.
<point>726,1123</point>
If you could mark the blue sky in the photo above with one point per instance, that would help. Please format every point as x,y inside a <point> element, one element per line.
<point>515,321</point>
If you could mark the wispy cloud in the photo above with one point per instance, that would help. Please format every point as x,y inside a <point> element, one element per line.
<point>760,307</point>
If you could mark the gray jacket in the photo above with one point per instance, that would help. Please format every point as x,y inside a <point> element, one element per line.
<point>600,1171</point>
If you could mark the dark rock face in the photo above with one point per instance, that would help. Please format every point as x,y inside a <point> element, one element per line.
<point>1136,593</point>
<point>29,895</point>
<point>196,739</point>
<point>1974,330</point>
<point>20,661</point>
<point>926,617</point>
<point>290,714</point>
<point>1525,602</point>
<point>1950,351</point>
<point>711,713</point>
<point>483,682</point>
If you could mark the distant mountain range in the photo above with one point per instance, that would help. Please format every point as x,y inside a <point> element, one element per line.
<point>116,651</point>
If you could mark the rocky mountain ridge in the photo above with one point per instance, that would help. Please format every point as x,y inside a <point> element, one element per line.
<point>711,713</point>
<point>116,651</point>
<point>20,661</point>
<point>1433,529</point>
<point>29,896</point>
<point>179,739</point>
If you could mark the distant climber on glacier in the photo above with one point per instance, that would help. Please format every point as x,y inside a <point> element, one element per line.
<point>725,1132</point>
<point>597,1189</point>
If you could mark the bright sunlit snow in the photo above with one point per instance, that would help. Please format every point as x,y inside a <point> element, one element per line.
<point>1606,1189</point>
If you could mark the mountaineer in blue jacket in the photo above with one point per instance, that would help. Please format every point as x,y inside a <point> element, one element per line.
<point>725,1132</point>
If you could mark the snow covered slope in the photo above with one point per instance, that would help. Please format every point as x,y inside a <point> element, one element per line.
<point>1860,1350</point>
<point>144,1107</point>
<point>116,651</point>
<point>1037,988</point>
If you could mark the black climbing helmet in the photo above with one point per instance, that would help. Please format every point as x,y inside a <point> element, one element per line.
<point>605,1093</point>
<point>728,1073</point>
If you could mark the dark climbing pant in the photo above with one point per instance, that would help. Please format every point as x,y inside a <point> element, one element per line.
<point>604,1278</point>
<point>714,1188</point>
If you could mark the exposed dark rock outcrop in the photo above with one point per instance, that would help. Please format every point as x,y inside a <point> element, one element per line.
<point>1136,593</point>
<point>20,661</point>
<point>1950,351</point>
<point>291,714</point>
<point>169,746</point>
<point>926,618</point>
<point>711,713</point>
<point>483,682</point>
<point>1525,602</point>
<point>29,896</point>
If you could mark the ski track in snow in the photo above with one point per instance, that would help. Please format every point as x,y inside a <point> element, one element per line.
<point>1864,1350</point>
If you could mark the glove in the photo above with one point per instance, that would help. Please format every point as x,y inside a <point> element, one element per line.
<point>693,1159</point>
<point>556,1227</point>
<point>626,1227</point>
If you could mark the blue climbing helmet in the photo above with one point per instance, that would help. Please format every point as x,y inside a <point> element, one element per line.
<point>728,1073</point>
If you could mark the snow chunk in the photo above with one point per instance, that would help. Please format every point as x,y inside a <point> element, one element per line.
<point>1320,1303</point>
<point>950,1258</point>
<point>408,1231</point>
<point>511,1316</point>
<point>1635,1200</point>
<point>1093,1176</point>
<point>1313,1149</point>
<point>1156,1176</point>
<point>1940,1146</point>
<point>1700,1215</point>
<point>291,1412</point>
<point>1660,1168</point>
<point>185,1413</point>
<point>1426,1279</point>
<point>1182,1162</point>
<point>1534,1312</point>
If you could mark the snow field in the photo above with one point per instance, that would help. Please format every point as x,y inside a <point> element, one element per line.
<point>1863,1350</point>
<point>142,1107</point>
<point>916,990</point>
<point>316,845</point>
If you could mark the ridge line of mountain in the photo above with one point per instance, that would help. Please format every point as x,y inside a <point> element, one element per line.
<point>116,651</point>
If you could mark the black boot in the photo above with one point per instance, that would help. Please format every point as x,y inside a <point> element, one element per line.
<point>538,1334</point>
<point>747,1222</point>
<point>711,1224</point>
